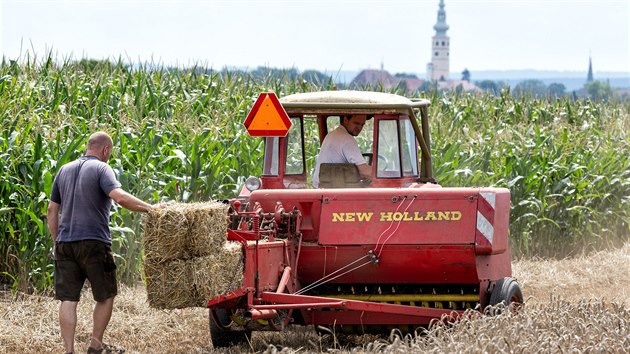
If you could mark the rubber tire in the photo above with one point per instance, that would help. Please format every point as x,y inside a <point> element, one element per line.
<point>220,335</point>
<point>506,291</point>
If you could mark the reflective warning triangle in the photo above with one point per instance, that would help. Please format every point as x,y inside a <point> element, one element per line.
<point>267,117</point>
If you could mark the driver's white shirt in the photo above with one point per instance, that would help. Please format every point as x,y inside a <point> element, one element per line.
<point>338,147</point>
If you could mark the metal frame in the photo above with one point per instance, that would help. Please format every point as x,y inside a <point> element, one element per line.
<point>422,135</point>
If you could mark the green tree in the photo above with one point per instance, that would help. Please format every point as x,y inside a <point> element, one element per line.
<point>556,90</point>
<point>316,77</point>
<point>489,86</point>
<point>532,87</point>
<point>263,72</point>
<point>598,90</point>
<point>406,76</point>
<point>466,75</point>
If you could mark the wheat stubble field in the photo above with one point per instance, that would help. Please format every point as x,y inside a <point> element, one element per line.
<point>579,304</point>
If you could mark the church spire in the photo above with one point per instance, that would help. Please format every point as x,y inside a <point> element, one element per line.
<point>441,27</point>
<point>438,69</point>
<point>589,76</point>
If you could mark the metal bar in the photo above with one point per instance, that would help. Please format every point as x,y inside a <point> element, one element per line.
<point>284,280</point>
<point>302,300</point>
<point>426,153</point>
<point>241,236</point>
<point>229,296</point>
<point>408,297</point>
<point>426,133</point>
<point>364,318</point>
<point>260,314</point>
<point>306,305</point>
<point>297,260</point>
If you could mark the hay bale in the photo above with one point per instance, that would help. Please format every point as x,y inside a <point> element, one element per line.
<point>207,227</point>
<point>166,233</point>
<point>169,284</point>
<point>187,258</point>
<point>218,273</point>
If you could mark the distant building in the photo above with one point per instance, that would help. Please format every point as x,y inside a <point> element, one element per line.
<point>438,69</point>
<point>589,76</point>
<point>375,78</point>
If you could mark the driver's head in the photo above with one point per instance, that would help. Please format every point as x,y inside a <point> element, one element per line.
<point>354,124</point>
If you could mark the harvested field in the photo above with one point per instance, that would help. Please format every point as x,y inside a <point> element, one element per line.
<point>573,305</point>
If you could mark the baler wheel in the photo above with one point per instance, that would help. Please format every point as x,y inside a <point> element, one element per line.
<point>221,333</point>
<point>506,291</point>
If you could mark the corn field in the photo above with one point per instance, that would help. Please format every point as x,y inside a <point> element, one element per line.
<point>178,136</point>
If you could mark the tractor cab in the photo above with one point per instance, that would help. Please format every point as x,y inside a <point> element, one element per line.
<point>394,145</point>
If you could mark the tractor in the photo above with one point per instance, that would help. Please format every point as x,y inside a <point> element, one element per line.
<point>359,255</point>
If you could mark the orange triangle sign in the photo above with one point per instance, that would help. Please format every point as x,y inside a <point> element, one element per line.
<point>267,117</point>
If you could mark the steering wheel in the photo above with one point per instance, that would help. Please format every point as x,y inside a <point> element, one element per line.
<point>383,161</point>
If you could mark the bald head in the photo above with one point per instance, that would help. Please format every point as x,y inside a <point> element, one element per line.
<point>99,139</point>
<point>100,144</point>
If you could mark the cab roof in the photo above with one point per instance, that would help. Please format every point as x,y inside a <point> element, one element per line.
<point>349,101</point>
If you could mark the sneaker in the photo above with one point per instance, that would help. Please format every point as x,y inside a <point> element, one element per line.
<point>106,349</point>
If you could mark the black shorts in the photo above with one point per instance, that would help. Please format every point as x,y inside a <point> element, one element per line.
<point>80,260</point>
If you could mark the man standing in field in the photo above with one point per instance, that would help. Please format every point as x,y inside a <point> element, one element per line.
<point>78,219</point>
<point>340,146</point>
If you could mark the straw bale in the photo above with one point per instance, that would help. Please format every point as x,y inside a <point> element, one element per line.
<point>165,233</point>
<point>187,257</point>
<point>219,273</point>
<point>170,284</point>
<point>207,227</point>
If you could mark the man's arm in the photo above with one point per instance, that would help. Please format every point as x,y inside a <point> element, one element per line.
<point>53,222</point>
<point>128,201</point>
<point>352,154</point>
<point>365,170</point>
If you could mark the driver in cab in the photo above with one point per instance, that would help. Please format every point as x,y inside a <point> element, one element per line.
<point>340,146</point>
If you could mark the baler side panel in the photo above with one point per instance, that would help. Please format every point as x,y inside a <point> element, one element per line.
<point>347,221</point>
<point>398,264</point>
<point>265,262</point>
<point>501,220</point>
<point>493,213</point>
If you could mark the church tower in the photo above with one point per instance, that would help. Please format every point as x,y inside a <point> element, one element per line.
<point>438,69</point>
<point>589,76</point>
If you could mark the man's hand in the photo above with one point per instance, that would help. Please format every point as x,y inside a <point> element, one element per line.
<point>365,170</point>
<point>161,205</point>
<point>53,223</point>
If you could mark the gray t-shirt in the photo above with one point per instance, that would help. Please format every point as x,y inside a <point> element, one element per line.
<point>82,189</point>
<point>338,147</point>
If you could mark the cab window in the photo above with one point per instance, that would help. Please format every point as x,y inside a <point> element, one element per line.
<point>272,156</point>
<point>409,149</point>
<point>388,154</point>
<point>295,148</point>
<point>311,143</point>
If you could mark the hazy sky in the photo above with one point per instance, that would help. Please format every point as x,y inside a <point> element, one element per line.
<point>326,35</point>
